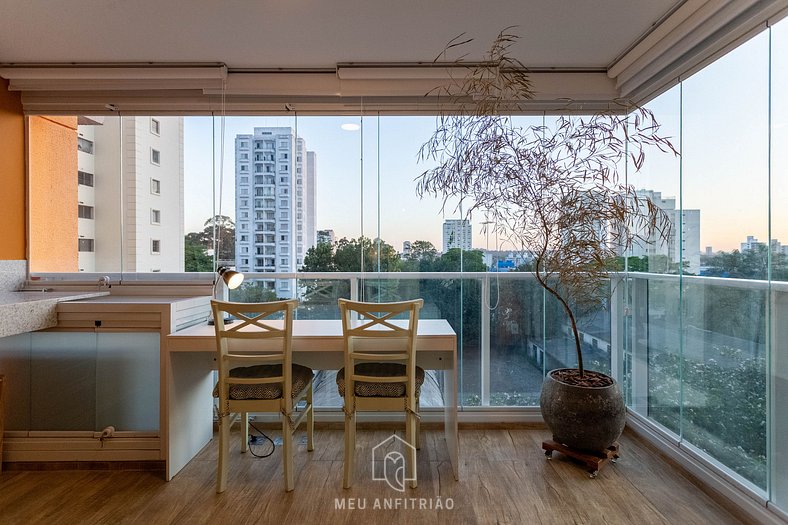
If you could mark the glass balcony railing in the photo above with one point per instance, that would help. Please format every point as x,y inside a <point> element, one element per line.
<point>690,353</point>
<point>696,363</point>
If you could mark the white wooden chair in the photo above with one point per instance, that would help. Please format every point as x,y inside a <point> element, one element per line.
<point>277,385</point>
<point>380,371</point>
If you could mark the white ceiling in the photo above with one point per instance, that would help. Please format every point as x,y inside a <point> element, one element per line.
<point>319,33</point>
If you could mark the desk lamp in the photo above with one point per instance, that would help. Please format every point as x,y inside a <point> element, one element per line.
<point>229,278</point>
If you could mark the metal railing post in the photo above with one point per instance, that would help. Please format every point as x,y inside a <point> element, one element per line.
<point>618,313</point>
<point>354,296</point>
<point>484,338</point>
<point>639,341</point>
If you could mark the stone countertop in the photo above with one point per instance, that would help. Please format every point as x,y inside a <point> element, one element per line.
<point>22,312</point>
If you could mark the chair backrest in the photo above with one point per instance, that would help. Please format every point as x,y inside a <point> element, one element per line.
<point>255,338</point>
<point>377,336</point>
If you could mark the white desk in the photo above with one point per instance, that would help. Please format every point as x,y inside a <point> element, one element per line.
<point>317,344</point>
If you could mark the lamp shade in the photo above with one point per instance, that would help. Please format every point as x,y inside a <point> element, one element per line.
<point>230,277</point>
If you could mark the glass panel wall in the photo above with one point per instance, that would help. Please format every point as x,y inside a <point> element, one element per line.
<point>778,328</point>
<point>518,338</point>
<point>304,207</point>
<point>133,194</point>
<point>724,328</point>
<point>701,313</point>
<point>698,346</point>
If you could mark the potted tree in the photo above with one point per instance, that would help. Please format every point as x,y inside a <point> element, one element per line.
<point>556,191</point>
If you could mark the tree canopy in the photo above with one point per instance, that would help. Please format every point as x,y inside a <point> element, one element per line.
<point>749,264</point>
<point>195,257</point>
<point>555,190</point>
<point>198,245</point>
<point>225,236</point>
<point>345,256</point>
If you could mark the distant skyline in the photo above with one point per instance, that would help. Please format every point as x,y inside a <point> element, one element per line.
<point>724,168</point>
<point>340,162</point>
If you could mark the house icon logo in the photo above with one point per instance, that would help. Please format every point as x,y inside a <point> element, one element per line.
<point>389,464</point>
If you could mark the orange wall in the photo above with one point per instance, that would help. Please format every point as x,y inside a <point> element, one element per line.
<point>52,161</point>
<point>12,174</point>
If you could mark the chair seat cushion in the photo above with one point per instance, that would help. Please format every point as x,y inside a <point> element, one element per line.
<point>302,375</point>
<point>368,389</point>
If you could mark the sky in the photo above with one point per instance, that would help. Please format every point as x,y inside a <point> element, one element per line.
<point>718,117</point>
<point>383,153</point>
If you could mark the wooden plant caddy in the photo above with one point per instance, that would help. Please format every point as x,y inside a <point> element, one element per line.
<point>593,460</point>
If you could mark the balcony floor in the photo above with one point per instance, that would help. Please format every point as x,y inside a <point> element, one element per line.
<point>506,479</point>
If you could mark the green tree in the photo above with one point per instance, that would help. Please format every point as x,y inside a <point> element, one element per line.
<point>319,258</point>
<point>422,257</point>
<point>377,254</point>
<point>750,264</point>
<point>225,235</point>
<point>195,258</point>
<point>423,250</point>
<point>653,263</point>
<point>456,260</point>
<point>459,301</point>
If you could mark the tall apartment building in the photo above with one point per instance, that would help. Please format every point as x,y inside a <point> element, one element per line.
<point>326,236</point>
<point>130,180</point>
<point>456,234</point>
<point>275,201</point>
<point>310,204</point>
<point>683,244</point>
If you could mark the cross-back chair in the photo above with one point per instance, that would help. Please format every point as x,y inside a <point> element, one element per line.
<point>267,381</point>
<point>380,372</point>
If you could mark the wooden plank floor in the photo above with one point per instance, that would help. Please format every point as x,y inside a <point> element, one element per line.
<point>506,479</point>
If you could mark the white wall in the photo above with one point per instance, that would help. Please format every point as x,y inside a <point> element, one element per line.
<point>86,195</point>
<point>133,247</point>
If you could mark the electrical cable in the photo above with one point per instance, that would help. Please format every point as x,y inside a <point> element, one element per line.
<point>252,442</point>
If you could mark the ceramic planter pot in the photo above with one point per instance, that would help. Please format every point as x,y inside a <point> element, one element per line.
<point>583,418</point>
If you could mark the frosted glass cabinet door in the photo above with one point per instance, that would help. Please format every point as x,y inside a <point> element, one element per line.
<point>89,381</point>
<point>15,365</point>
<point>127,381</point>
<point>62,381</point>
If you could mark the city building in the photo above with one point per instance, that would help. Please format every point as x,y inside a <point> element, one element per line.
<point>310,204</point>
<point>274,203</point>
<point>684,242</point>
<point>753,243</point>
<point>457,233</point>
<point>149,192</point>
<point>407,248</point>
<point>325,236</point>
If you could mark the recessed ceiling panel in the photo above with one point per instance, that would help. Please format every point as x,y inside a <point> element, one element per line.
<point>319,33</point>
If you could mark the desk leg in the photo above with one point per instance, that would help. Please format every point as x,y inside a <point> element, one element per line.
<point>189,410</point>
<point>450,418</point>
